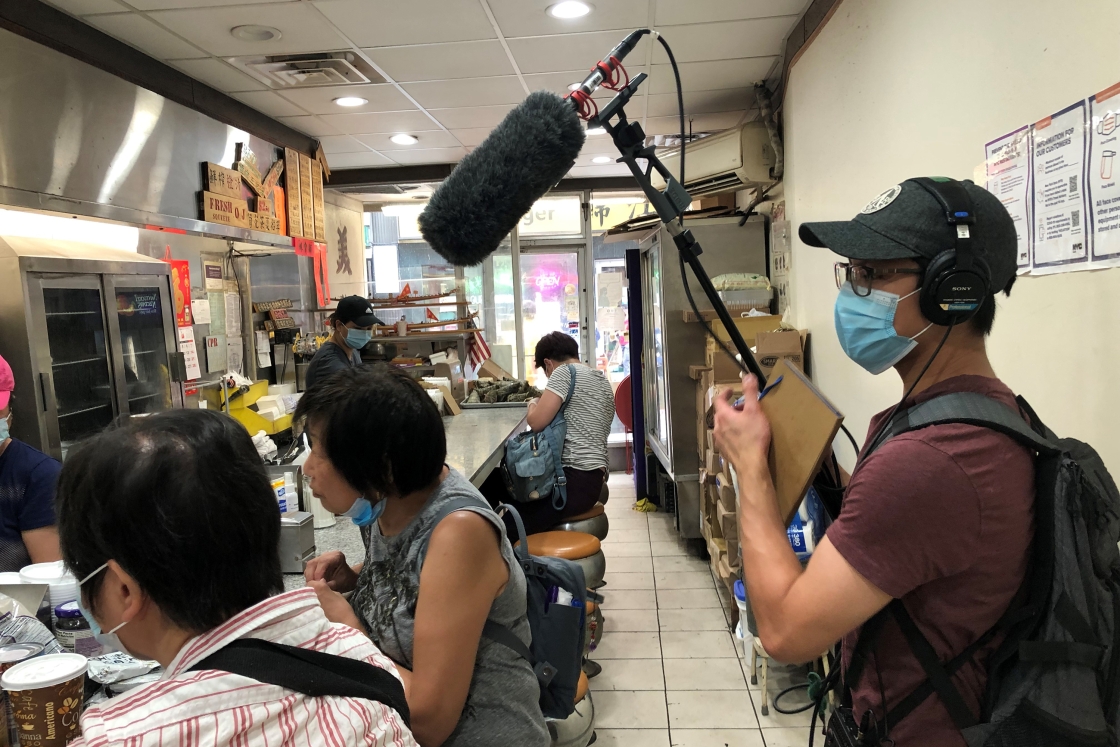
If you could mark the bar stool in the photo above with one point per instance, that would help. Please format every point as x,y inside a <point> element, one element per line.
<point>578,729</point>
<point>592,521</point>
<point>592,627</point>
<point>605,493</point>
<point>579,547</point>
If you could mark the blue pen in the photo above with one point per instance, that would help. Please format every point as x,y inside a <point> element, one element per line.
<point>738,404</point>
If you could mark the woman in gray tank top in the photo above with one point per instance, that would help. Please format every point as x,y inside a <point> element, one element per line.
<point>438,564</point>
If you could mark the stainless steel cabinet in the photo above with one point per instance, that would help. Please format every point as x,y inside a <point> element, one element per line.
<point>89,334</point>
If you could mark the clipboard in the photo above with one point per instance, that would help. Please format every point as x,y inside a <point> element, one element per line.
<point>803,424</point>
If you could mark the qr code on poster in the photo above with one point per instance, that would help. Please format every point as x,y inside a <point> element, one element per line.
<point>1075,219</point>
<point>1073,185</point>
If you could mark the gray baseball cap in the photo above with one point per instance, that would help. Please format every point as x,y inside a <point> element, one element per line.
<point>906,221</point>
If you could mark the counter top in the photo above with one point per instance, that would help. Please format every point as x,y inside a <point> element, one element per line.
<point>475,444</point>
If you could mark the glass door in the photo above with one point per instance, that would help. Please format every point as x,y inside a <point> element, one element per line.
<point>141,324</point>
<point>550,301</point>
<point>75,373</point>
<point>657,394</point>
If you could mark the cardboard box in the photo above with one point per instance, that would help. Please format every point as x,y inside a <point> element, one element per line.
<point>728,521</point>
<point>714,392</point>
<point>726,492</point>
<point>723,368</point>
<point>775,346</point>
<point>733,558</point>
<point>492,370</point>
<point>749,327</point>
<point>695,372</point>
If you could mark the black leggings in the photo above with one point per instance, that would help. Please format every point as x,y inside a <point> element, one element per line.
<point>584,488</point>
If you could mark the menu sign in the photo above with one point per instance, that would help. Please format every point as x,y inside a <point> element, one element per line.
<point>306,196</point>
<point>318,208</point>
<point>228,211</point>
<point>292,182</point>
<point>247,165</point>
<point>264,222</point>
<point>220,180</point>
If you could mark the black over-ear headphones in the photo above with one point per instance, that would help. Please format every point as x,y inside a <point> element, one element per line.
<point>956,282</point>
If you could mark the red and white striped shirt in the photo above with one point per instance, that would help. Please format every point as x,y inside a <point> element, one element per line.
<point>212,708</point>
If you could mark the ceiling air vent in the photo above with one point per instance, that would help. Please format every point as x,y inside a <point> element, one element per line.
<point>306,70</point>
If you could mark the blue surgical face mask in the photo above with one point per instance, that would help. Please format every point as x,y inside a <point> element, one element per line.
<point>865,326</point>
<point>109,641</point>
<point>363,513</point>
<point>4,433</point>
<point>358,338</point>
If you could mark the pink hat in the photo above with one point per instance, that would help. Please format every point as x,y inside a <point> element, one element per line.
<point>7,383</point>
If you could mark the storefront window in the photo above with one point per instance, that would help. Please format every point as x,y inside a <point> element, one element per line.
<point>549,302</point>
<point>553,216</point>
<point>489,291</point>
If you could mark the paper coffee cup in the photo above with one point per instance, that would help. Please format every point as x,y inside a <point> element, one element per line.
<point>46,695</point>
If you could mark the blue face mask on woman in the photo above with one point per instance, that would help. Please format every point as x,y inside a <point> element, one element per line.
<point>4,434</point>
<point>865,326</point>
<point>358,338</point>
<point>363,513</point>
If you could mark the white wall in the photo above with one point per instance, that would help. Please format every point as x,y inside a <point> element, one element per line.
<point>897,88</point>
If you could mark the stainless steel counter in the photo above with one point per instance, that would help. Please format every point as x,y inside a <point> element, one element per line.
<point>475,445</point>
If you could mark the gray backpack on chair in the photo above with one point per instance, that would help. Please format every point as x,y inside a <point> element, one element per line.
<point>1054,680</point>
<point>533,467</point>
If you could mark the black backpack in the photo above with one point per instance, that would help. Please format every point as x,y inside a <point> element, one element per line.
<point>556,649</point>
<point>1054,680</point>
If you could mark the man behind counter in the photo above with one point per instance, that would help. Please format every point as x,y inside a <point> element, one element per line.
<point>27,482</point>
<point>350,332</point>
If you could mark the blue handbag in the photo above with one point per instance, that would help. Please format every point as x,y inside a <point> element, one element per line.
<point>533,466</point>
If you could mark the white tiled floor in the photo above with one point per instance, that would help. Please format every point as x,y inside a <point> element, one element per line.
<point>672,675</point>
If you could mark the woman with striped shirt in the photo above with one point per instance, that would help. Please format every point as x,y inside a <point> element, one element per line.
<point>588,415</point>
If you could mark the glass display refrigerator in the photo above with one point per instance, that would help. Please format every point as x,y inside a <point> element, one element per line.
<point>671,345</point>
<point>90,335</point>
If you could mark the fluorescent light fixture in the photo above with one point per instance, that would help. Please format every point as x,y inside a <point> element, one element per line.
<point>59,228</point>
<point>595,131</point>
<point>351,101</point>
<point>601,159</point>
<point>569,9</point>
<point>255,33</point>
<point>404,139</point>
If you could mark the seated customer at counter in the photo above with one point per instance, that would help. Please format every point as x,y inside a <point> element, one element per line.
<point>428,584</point>
<point>27,480</point>
<point>350,332</point>
<point>172,527</point>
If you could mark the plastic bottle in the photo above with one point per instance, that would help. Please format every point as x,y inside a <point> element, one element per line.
<point>291,495</point>
<point>281,498</point>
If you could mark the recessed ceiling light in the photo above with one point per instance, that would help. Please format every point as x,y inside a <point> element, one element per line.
<point>601,159</point>
<point>569,9</point>
<point>403,139</point>
<point>596,131</point>
<point>350,101</point>
<point>255,33</point>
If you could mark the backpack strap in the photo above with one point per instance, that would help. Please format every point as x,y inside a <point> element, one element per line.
<point>312,673</point>
<point>560,497</point>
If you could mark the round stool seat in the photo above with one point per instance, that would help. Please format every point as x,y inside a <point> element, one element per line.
<point>605,493</point>
<point>567,545</point>
<point>582,687</point>
<point>591,607</point>
<point>597,510</point>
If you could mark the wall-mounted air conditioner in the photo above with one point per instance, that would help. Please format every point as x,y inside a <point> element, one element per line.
<point>735,159</point>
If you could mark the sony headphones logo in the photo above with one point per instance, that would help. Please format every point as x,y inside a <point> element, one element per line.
<point>962,287</point>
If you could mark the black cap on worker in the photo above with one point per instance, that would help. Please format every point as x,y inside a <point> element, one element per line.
<point>907,222</point>
<point>357,310</point>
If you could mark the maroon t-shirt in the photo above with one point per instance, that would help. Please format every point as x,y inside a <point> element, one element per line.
<point>941,518</point>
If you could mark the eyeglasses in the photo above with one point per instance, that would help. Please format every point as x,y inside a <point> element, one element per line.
<point>862,276</point>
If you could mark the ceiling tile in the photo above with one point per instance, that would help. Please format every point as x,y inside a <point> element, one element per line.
<point>546,54</point>
<point>472,136</point>
<point>380,23</point>
<point>528,18</point>
<point>672,12</point>
<point>302,28</point>
<point>442,61</point>
<point>268,103</point>
<point>341,144</point>
<point>701,102</point>
<point>144,35</point>
<point>86,7</point>
<point>427,155</point>
<point>470,116</point>
<point>358,160</point>
<point>428,140</point>
<point>446,94</point>
<point>312,126</point>
<point>376,122</point>
<point>726,41</point>
<point>599,145</point>
<point>710,76</point>
<point>167,4</point>
<point>382,97</point>
<point>559,82</point>
<point>219,74</point>
<point>700,123</point>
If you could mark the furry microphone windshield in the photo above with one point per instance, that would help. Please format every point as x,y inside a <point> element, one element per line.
<point>496,184</point>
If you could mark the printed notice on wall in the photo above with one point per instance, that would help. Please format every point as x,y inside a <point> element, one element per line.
<point>1007,163</point>
<point>1104,176</point>
<point>190,353</point>
<point>1060,234</point>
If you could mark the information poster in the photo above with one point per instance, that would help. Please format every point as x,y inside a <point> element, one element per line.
<point>233,314</point>
<point>217,304</point>
<point>200,308</point>
<point>1060,238</point>
<point>216,354</point>
<point>235,354</point>
<point>1104,176</point>
<point>190,353</point>
<point>1008,167</point>
<point>212,271</point>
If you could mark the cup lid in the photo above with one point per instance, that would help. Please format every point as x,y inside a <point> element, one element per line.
<point>44,671</point>
<point>43,572</point>
<point>19,651</point>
